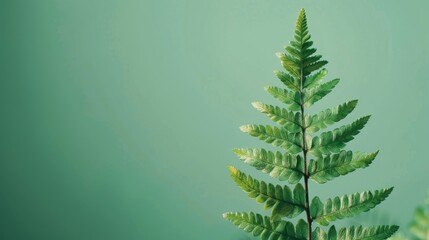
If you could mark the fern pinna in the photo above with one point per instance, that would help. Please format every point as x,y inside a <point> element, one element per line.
<point>295,136</point>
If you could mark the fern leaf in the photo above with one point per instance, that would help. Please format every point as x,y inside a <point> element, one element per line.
<point>301,46</point>
<point>346,206</point>
<point>288,80</point>
<point>267,228</point>
<point>367,233</point>
<point>312,60</point>
<point>276,136</point>
<point>290,63</point>
<point>302,37</point>
<point>304,87</point>
<point>334,165</point>
<point>289,120</point>
<point>295,52</point>
<point>334,141</point>
<point>314,80</point>
<point>282,166</point>
<point>312,95</point>
<point>356,233</point>
<point>281,199</point>
<point>301,51</point>
<point>293,99</point>
<point>312,65</point>
<point>301,29</point>
<point>330,116</point>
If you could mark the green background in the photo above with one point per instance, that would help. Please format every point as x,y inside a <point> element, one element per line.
<point>118,117</point>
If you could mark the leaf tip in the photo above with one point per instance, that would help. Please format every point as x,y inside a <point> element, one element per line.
<point>354,102</point>
<point>324,72</point>
<point>302,12</point>
<point>267,88</point>
<point>245,128</point>
<point>366,118</point>
<point>258,106</point>
<point>235,150</point>
<point>336,81</point>
<point>232,170</point>
<point>376,153</point>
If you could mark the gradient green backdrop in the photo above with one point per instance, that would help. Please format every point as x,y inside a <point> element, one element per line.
<point>118,117</point>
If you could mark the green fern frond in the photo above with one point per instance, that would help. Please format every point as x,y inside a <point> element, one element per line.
<point>356,233</point>
<point>330,116</point>
<point>346,206</point>
<point>335,165</point>
<point>279,165</point>
<point>304,83</point>
<point>334,141</point>
<point>281,199</point>
<point>278,137</point>
<point>289,120</point>
<point>266,227</point>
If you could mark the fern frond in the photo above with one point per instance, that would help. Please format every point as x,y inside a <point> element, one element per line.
<point>282,166</point>
<point>266,227</point>
<point>334,141</point>
<point>291,98</point>
<point>314,94</point>
<point>330,116</point>
<point>357,233</point>
<point>303,77</point>
<point>278,137</point>
<point>281,199</point>
<point>346,206</point>
<point>289,120</point>
<point>334,165</point>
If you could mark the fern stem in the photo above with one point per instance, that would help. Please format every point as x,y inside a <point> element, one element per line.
<point>304,152</point>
